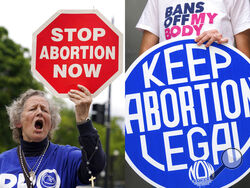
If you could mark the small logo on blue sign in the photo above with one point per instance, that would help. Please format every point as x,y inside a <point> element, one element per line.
<point>200,173</point>
<point>186,105</point>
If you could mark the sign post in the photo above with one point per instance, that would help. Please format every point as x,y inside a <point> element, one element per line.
<point>77,47</point>
<point>186,107</point>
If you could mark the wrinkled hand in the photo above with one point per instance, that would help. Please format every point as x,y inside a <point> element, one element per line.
<point>82,100</point>
<point>210,36</point>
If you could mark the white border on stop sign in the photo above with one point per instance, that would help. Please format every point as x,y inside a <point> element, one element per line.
<point>52,18</point>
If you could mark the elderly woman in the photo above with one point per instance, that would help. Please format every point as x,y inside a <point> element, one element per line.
<point>38,162</point>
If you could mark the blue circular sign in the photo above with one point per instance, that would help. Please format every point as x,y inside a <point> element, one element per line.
<point>185,106</point>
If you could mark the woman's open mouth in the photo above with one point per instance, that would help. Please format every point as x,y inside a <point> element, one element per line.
<point>39,124</point>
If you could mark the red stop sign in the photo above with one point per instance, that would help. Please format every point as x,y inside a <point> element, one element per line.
<point>77,47</point>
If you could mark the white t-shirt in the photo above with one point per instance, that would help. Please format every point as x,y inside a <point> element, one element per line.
<point>177,18</point>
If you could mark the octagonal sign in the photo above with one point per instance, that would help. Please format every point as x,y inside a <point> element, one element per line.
<point>77,47</point>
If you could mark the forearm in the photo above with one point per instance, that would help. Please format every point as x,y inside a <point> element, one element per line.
<point>148,41</point>
<point>93,156</point>
<point>242,41</point>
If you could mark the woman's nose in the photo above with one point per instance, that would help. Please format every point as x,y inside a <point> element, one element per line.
<point>38,111</point>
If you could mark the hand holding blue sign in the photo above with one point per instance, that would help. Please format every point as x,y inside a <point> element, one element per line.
<point>210,36</point>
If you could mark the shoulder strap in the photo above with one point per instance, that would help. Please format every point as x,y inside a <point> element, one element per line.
<point>24,167</point>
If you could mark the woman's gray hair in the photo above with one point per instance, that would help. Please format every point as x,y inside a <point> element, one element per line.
<point>16,108</point>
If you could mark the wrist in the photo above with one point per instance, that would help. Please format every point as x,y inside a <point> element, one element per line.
<point>80,122</point>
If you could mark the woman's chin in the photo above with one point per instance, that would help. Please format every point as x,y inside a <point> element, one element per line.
<point>36,137</point>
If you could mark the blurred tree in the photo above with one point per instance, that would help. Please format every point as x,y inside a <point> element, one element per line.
<point>15,78</point>
<point>117,151</point>
<point>68,134</point>
<point>117,147</point>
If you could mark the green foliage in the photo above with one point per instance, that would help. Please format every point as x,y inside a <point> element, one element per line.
<point>117,143</point>
<point>15,78</point>
<point>67,133</point>
<point>117,137</point>
<point>117,149</point>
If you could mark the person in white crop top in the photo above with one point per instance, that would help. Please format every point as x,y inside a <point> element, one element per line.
<point>223,21</point>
